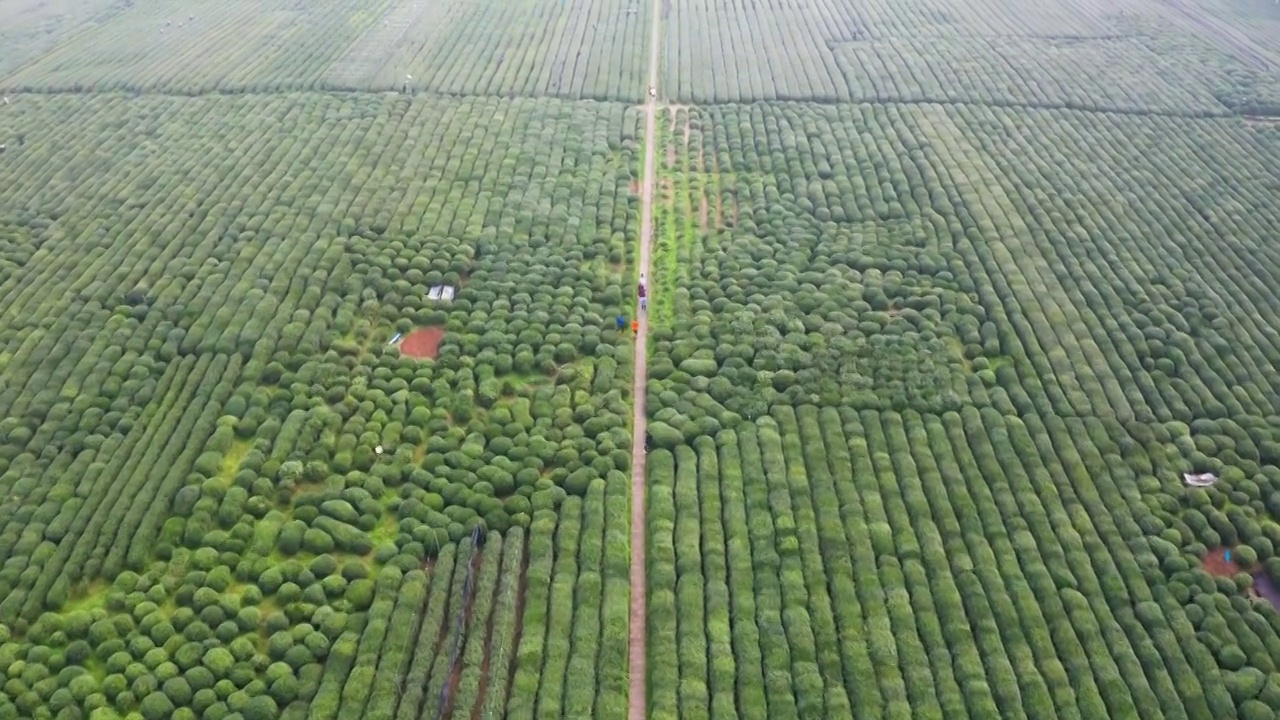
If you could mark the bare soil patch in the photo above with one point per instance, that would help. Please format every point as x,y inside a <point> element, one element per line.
<point>671,156</point>
<point>422,343</point>
<point>1263,588</point>
<point>635,187</point>
<point>702,213</point>
<point>1215,563</point>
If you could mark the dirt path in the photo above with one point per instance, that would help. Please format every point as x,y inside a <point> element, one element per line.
<point>638,697</point>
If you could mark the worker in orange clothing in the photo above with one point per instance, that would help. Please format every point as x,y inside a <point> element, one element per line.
<point>635,328</point>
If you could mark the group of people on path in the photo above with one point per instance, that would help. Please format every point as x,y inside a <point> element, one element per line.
<point>643,292</point>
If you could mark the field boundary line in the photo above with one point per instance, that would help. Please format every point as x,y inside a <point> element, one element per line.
<point>1223,114</point>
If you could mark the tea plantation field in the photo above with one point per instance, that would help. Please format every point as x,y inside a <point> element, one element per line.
<point>225,493</point>
<point>960,393</point>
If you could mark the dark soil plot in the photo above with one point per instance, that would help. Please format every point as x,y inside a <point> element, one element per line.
<point>422,343</point>
<point>1267,588</point>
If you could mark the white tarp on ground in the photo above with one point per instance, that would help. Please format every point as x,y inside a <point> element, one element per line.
<point>1199,479</point>
<point>442,293</point>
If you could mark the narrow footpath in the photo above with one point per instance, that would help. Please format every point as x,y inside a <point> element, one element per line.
<point>639,392</point>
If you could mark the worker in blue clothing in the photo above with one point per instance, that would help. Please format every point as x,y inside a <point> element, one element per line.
<point>622,323</point>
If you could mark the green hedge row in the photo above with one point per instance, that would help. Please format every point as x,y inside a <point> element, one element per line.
<point>503,636</point>
<point>466,695</point>
<point>426,642</point>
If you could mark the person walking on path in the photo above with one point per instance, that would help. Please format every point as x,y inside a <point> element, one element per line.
<point>644,304</point>
<point>635,328</point>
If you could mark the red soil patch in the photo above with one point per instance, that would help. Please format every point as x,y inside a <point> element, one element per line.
<point>1216,563</point>
<point>1263,588</point>
<point>422,343</point>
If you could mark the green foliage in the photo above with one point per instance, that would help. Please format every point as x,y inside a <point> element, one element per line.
<point>932,345</point>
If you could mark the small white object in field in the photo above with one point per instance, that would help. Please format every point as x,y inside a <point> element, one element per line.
<point>378,449</point>
<point>1199,479</point>
<point>6,99</point>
